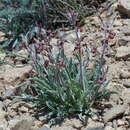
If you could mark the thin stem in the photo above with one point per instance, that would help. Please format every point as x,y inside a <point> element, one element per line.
<point>80,58</point>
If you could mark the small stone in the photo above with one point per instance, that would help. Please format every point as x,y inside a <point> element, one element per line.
<point>121,128</point>
<point>126,31</point>
<point>2,56</point>
<point>68,49</point>
<point>120,122</point>
<point>8,93</point>
<point>1,128</point>
<point>124,41</point>
<point>94,125</point>
<point>95,117</point>
<point>41,118</point>
<point>109,123</point>
<point>3,114</point>
<point>124,74</point>
<point>94,128</point>
<point>124,7</point>
<point>117,23</point>
<point>3,122</point>
<point>7,101</point>
<point>114,112</point>
<point>112,42</point>
<point>123,53</point>
<point>22,123</point>
<point>109,128</point>
<point>127,84</point>
<point>2,36</point>
<point>13,114</point>
<point>1,106</point>
<point>13,76</point>
<point>125,95</point>
<point>44,128</point>
<point>127,112</point>
<point>23,109</point>
<point>126,21</point>
<point>19,104</point>
<point>38,123</point>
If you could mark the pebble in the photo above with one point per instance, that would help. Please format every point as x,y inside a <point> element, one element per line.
<point>44,128</point>
<point>23,109</point>
<point>124,74</point>
<point>127,84</point>
<point>120,122</point>
<point>114,112</point>
<point>123,52</point>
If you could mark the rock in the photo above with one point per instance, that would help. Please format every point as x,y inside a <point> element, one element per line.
<point>109,128</point>
<point>124,41</point>
<point>127,84</point>
<point>2,56</point>
<point>8,93</point>
<point>114,70</point>
<point>124,7</point>
<point>125,30</point>
<point>2,36</point>
<point>121,128</point>
<point>1,106</point>
<point>23,109</point>
<point>1,128</point>
<point>44,128</point>
<point>69,36</point>
<point>22,123</point>
<point>112,42</point>
<point>117,23</point>
<point>42,118</point>
<point>68,49</point>
<point>125,95</point>
<point>94,20</point>
<point>126,22</point>
<point>3,114</point>
<point>127,113</point>
<point>114,112</point>
<point>94,128</point>
<point>13,76</point>
<point>123,53</point>
<point>94,125</point>
<point>120,122</point>
<point>38,123</point>
<point>124,74</point>
<point>3,122</point>
<point>20,104</point>
<point>68,125</point>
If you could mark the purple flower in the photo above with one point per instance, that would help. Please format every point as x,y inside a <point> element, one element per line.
<point>61,63</point>
<point>105,41</point>
<point>77,45</point>
<point>60,43</point>
<point>94,50</point>
<point>111,35</point>
<point>46,63</point>
<point>39,47</point>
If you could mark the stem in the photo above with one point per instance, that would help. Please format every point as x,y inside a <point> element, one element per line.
<point>80,59</point>
<point>103,52</point>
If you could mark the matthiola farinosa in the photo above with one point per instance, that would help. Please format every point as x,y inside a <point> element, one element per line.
<point>65,86</point>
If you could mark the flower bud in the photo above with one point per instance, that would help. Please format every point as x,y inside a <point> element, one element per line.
<point>46,63</point>
<point>111,35</point>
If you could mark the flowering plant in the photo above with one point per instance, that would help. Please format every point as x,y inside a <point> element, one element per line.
<point>63,85</point>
